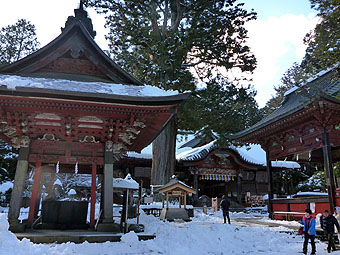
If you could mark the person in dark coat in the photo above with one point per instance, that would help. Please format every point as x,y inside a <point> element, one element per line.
<point>225,204</point>
<point>327,222</point>
<point>308,223</point>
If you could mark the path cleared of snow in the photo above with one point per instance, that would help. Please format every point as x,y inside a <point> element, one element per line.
<point>205,234</point>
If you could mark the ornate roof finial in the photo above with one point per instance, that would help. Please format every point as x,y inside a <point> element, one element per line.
<point>80,15</point>
<point>81,5</point>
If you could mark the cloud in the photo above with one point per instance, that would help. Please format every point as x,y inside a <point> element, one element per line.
<point>276,42</point>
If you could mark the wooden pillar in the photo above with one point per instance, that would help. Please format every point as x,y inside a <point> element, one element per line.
<point>35,190</point>
<point>18,187</point>
<point>180,201</point>
<point>167,200</point>
<point>101,181</point>
<point>93,195</point>
<point>108,183</point>
<point>126,211</point>
<point>195,185</point>
<point>226,189</point>
<point>185,200</point>
<point>239,187</point>
<point>328,165</point>
<point>270,184</point>
<point>50,188</point>
<point>162,201</point>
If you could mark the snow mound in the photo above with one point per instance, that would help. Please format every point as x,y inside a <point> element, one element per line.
<point>72,192</point>
<point>7,240</point>
<point>127,183</point>
<point>130,238</point>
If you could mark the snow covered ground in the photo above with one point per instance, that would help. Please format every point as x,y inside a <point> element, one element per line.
<point>205,234</point>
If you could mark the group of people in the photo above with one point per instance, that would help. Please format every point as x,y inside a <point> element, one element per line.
<point>327,222</point>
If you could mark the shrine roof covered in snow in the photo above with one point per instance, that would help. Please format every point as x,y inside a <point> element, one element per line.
<point>105,91</point>
<point>325,84</point>
<point>252,154</point>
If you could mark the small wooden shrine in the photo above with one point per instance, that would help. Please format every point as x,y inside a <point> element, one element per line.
<point>69,104</point>
<point>304,128</point>
<point>179,190</point>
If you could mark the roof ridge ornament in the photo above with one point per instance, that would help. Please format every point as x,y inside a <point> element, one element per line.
<point>81,16</point>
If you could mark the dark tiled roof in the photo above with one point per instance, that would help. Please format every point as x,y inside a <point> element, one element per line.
<point>326,83</point>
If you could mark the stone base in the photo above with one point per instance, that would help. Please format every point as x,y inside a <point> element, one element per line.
<point>172,214</point>
<point>108,227</point>
<point>17,227</point>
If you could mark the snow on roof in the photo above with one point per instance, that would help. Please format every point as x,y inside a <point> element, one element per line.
<point>13,81</point>
<point>321,73</point>
<point>6,186</point>
<point>146,153</point>
<point>290,91</point>
<point>196,153</point>
<point>300,194</point>
<point>252,154</point>
<point>255,155</point>
<point>126,183</point>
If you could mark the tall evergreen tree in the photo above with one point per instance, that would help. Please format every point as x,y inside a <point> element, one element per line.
<point>323,43</point>
<point>17,41</point>
<point>173,44</point>
<point>8,156</point>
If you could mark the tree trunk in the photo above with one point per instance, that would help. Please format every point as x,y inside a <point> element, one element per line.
<point>163,154</point>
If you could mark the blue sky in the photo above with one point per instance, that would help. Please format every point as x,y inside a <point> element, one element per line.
<point>276,8</point>
<point>275,37</point>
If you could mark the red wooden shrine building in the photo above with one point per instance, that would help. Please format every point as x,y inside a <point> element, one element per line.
<point>67,104</point>
<point>231,171</point>
<point>306,129</point>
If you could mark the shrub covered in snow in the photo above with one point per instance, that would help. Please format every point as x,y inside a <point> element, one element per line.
<point>316,181</point>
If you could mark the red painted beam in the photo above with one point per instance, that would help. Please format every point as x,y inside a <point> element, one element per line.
<point>35,189</point>
<point>66,160</point>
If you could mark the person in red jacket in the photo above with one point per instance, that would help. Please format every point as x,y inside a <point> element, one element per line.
<point>308,223</point>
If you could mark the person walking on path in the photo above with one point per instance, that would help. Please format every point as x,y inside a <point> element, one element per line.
<point>308,223</point>
<point>225,204</point>
<point>327,222</point>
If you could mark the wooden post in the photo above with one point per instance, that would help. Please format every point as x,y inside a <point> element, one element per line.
<point>139,198</point>
<point>18,187</point>
<point>108,183</point>
<point>327,159</point>
<point>195,185</point>
<point>167,200</point>
<point>239,187</point>
<point>162,201</point>
<point>126,211</point>
<point>180,200</point>
<point>270,184</point>
<point>35,190</point>
<point>93,195</point>
<point>185,200</point>
<point>50,189</point>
